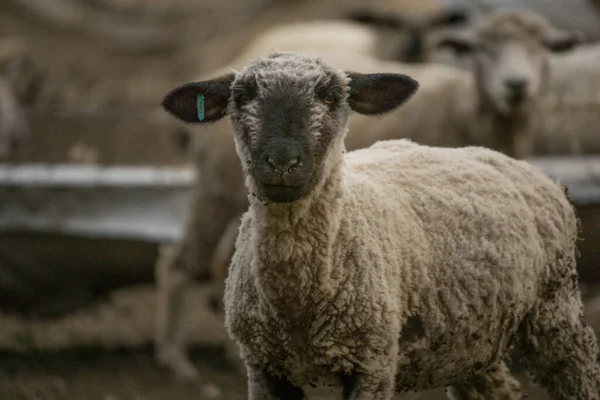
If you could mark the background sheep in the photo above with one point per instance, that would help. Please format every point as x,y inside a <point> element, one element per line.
<point>456,116</point>
<point>401,37</point>
<point>299,299</point>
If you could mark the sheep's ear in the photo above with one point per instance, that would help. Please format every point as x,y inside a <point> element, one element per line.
<point>199,102</point>
<point>561,41</point>
<point>461,43</point>
<point>379,93</point>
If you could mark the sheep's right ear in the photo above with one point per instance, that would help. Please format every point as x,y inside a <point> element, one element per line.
<point>200,102</point>
<point>373,94</point>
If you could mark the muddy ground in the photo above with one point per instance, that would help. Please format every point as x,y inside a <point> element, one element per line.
<point>104,352</point>
<point>132,375</point>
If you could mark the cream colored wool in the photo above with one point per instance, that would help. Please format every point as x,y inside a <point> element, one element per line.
<point>396,267</point>
<point>457,248</point>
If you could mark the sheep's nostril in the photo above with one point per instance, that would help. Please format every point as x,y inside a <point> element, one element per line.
<point>293,163</point>
<point>283,164</point>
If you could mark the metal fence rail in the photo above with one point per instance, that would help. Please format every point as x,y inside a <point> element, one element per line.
<point>151,203</point>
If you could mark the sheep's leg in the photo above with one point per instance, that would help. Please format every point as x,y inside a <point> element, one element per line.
<point>561,348</point>
<point>264,386</point>
<point>172,282</point>
<point>494,384</point>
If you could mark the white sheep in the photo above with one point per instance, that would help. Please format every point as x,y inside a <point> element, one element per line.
<point>456,116</point>
<point>220,197</point>
<point>388,37</point>
<point>396,267</point>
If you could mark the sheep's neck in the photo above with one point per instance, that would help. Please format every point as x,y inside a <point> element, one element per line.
<point>509,134</point>
<point>293,249</point>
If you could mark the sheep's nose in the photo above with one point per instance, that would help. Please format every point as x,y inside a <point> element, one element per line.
<point>283,163</point>
<point>516,86</point>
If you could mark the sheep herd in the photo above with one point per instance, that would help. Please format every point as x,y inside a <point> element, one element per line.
<point>364,211</point>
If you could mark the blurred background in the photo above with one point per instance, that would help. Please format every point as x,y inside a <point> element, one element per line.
<point>111,211</point>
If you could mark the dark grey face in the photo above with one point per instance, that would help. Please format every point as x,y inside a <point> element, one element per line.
<point>289,114</point>
<point>286,119</point>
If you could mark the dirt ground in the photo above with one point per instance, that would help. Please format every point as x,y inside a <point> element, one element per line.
<point>132,375</point>
<point>104,352</point>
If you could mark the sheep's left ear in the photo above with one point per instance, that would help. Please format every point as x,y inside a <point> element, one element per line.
<point>561,41</point>
<point>379,93</point>
<point>200,102</point>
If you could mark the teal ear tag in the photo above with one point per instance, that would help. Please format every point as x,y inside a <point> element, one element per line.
<point>200,106</point>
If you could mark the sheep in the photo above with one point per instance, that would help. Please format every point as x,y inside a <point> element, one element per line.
<point>399,37</point>
<point>358,34</point>
<point>219,198</point>
<point>455,118</point>
<point>343,264</point>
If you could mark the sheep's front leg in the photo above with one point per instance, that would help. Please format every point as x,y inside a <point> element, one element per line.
<point>264,386</point>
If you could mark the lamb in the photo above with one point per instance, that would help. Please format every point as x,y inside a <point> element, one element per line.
<point>342,262</point>
<point>220,197</point>
<point>456,117</point>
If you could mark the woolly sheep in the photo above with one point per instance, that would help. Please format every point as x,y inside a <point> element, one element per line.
<point>402,41</point>
<point>343,263</point>
<point>571,73</point>
<point>402,37</point>
<point>220,197</point>
<point>454,118</point>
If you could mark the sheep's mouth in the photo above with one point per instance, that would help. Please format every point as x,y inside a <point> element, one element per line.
<point>282,193</point>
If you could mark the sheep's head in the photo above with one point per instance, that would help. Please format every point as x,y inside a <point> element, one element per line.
<point>289,114</point>
<point>508,51</point>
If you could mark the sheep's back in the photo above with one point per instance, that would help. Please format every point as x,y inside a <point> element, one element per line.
<point>486,233</point>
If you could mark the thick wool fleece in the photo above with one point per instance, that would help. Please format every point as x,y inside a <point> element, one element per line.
<point>435,254</point>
